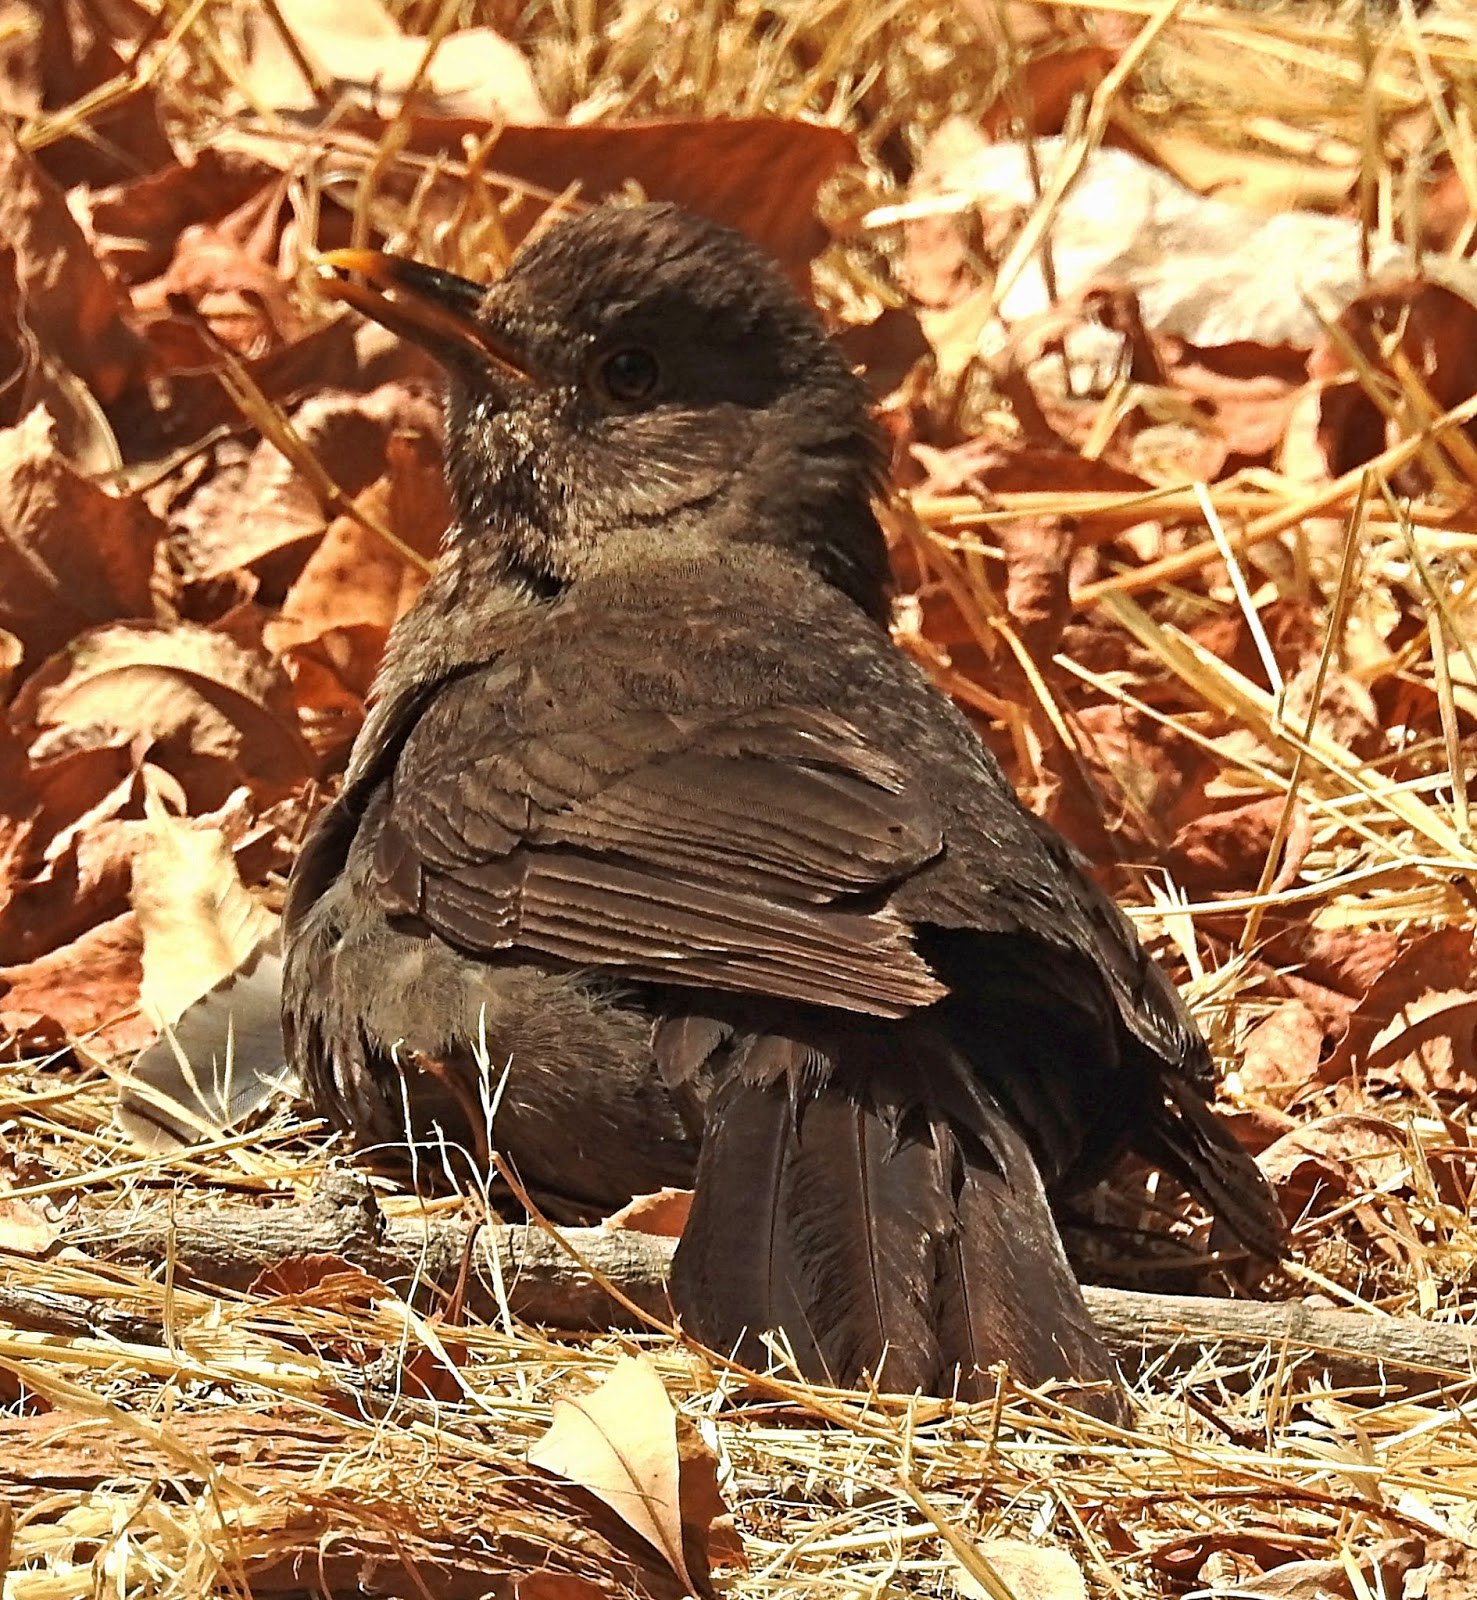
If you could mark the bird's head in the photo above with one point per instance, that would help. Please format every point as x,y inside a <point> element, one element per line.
<point>638,373</point>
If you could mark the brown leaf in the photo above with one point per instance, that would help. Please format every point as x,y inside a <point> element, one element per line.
<point>70,51</point>
<point>134,226</point>
<point>1041,93</point>
<point>1227,850</point>
<point>1419,982</point>
<point>354,577</point>
<point>25,1229</point>
<point>760,175</point>
<point>71,306</point>
<point>252,510</point>
<point>1348,1153</point>
<point>213,712</point>
<point>360,51</point>
<point>1027,1571</point>
<point>664,1213</point>
<point>79,864</point>
<point>70,553</point>
<point>1434,328</point>
<point>318,1280</point>
<point>1282,1052</point>
<point>620,1442</point>
<point>87,991</point>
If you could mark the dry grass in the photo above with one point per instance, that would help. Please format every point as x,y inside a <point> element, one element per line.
<point>846,1494</point>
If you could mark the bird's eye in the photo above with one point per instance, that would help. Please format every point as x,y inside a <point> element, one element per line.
<point>628,375</point>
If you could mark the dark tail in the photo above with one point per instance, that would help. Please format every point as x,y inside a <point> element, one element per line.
<point>885,1219</point>
<point>1187,1139</point>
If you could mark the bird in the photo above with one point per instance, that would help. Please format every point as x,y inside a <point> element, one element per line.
<point>657,862</point>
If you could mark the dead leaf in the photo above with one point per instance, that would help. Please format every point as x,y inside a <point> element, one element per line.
<point>664,1213</point>
<point>26,1229</point>
<point>1028,1571</point>
<point>211,711</point>
<point>354,577</point>
<point>134,226</point>
<point>71,554</point>
<point>760,175</point>
<point>1430,974</point>
<point>255,508</point>
<point>85,992</point>
<point>358,49</point>
<point>198,920</point>
<point>1347,1153</point>
<point>1282,1052</point>
<point>318,1280</point>
<point>70,52</point>
<point>71,306</point>
<point>1225,850</point>
<point>620,1442</point>
<point>1433,326</point>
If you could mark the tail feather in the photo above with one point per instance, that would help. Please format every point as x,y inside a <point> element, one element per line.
<point>1187,1139</point>
<point>890,1221</point>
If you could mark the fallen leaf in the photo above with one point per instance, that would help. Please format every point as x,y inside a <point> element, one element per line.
<point>71,554</point>
<point>25,1229</point>
<point>664,1213</point>
<point>1347,1153</point>
<point>620,1442</point>
<point>1027,1571</point>
<point>1226,850</point>
<point>199,922</point>
<point>1282,1053</point>
<point>760,175</point>
<point>1431,974</point>
<point>211,710</point>
<point>354,577</point>
<point>359,49</point>
<point>86,992</point>
<point>1433,326</point>
<point>251,511</point>
<point>1200,268</point>
<point>70,54</point>
<point>72,307</point>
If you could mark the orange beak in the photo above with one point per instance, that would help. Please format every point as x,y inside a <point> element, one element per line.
<point>436,310</point>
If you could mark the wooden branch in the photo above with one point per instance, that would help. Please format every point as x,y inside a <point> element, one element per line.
<point>229,1245</point>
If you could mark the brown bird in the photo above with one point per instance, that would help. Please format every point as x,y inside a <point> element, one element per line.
<point>652,836</point>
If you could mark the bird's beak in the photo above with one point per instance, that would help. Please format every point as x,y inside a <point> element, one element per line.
<point>434,309</point>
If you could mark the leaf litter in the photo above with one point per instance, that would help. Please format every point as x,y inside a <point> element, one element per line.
<point>1168,311</point>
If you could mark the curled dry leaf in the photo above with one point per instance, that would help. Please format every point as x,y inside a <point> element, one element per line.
<point>1226,850</point>
<point>1210,272</point>
<point>621,1444</point>
<point>1434,328</point>
<point>86,992</point>
<point>249,512</point>
<point>761,175</point>
<point>357,48</point>
<point>27,1227</point>
<point>1346,1153</point>
<point>664,1213</point>
<point>355,577</point>
<point>71,554</point>
<point>213,712</point>
<point>1282,1053</point>
<point>134,226</point>
<point>1026,1572</point>
<point>199,921</point>
<point>71,305</point>
<point>211,982</point>
<point>63,52</point>
<point>1401,1017</point>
